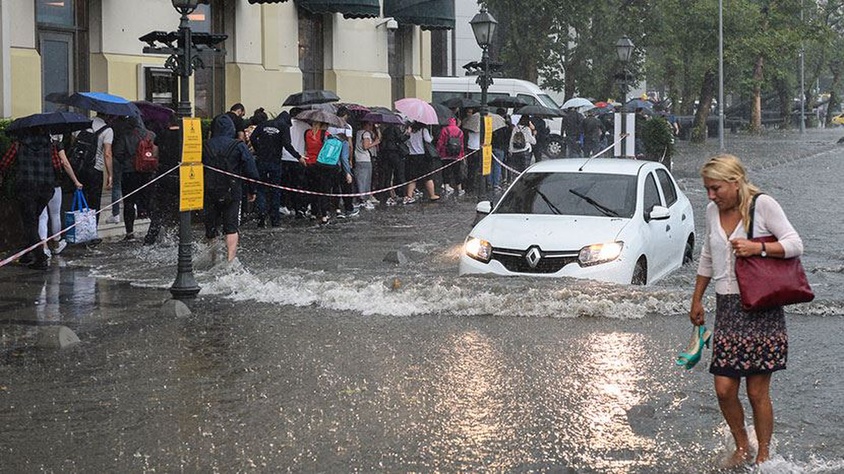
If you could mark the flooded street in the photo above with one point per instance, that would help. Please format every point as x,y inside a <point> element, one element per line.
<point>316,355</point>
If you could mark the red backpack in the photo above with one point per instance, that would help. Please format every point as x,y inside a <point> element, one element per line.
<point>146,155</point>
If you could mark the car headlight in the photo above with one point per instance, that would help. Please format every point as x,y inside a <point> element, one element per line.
<point>599,253</point>
<point>478,249</point>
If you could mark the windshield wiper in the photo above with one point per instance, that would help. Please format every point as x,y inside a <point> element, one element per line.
<point>554,209</point>
<point>604,209</point>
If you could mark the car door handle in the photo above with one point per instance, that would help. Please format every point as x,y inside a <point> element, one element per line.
<point>667,228</point>
<point>683,217</point>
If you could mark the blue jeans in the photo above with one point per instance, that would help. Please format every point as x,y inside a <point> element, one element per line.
<point>494,178</point>
<point>269,171</point>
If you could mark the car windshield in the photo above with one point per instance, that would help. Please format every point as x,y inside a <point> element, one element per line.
<point>573,194</point>
<point>547,101</point>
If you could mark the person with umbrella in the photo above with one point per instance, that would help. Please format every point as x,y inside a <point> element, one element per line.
<point>101,136</point>
<point>450,148</point>
<point>522,140</point>
<point>35,178</point>
<point>593,131</point>
<point>128,133</point>
<point>572,128</point>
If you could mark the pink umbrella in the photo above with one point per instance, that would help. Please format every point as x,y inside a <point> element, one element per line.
<point>417,110</point>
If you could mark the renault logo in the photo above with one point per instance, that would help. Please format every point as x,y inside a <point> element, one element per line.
<point>533,256</point>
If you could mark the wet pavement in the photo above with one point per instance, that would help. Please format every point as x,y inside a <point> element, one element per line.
<point>318,356</point>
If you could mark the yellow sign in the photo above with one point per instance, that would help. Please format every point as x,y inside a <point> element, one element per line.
<point>191,140</point>
<point>191,187</point>
<point>487,132</point>
<point>487,166</point>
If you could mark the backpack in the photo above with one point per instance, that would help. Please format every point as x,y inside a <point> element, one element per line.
<point>329,155</point>
<point>519,140</point>
<point>83,153</point>
<point>146,155</point>
<point>218,186</point>
<point>453,146</point>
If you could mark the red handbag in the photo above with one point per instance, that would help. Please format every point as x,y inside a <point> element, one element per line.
<point>766,283</point>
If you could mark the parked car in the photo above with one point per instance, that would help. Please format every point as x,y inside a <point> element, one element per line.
<point>615,220</point>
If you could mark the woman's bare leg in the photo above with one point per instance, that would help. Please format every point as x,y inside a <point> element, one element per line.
<point>758,392</point>
<point>726,389</point>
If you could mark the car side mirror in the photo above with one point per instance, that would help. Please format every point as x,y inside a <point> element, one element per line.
<point>484,207</point>
<point>658,213</point>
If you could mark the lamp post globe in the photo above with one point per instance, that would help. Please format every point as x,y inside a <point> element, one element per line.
<point>185,6</point>
<point>483,26</point>
<point>624,49</point>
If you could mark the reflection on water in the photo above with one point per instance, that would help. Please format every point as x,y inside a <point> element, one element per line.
<point>614,388</point>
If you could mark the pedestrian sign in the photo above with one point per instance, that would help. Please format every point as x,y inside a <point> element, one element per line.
<point>191,187</point>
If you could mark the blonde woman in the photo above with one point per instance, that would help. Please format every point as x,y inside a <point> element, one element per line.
<point>745,345</point>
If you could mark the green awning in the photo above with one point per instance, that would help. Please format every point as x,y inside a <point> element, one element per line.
<point>429,14</point>
<point>349,8</point>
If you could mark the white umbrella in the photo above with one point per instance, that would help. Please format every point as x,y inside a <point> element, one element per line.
<point>577,102</point>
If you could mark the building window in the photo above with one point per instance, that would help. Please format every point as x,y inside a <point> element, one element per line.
<point>311,50</point>
<point>55,12</point>
<point>63,46</point>
<point>209,81</point>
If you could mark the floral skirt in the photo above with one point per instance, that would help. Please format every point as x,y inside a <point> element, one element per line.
<point>747,343</point>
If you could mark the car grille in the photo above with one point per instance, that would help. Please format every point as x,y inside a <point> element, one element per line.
<point>549,262</point>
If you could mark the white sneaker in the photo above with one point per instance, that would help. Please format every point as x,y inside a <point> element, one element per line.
<point>391,201</point>
<point>47,252</point>
<point>113,219</point>
<point>60,245</point>
<point>374,200</point>
<point>369,206</point>
<point>284,211</point>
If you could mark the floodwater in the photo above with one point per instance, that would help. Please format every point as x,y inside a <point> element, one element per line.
<point>315,355</point>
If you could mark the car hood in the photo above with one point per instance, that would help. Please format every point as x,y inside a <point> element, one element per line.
<point>549,232</point>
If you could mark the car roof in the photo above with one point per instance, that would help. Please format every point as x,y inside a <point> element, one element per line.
<point>596,165</point>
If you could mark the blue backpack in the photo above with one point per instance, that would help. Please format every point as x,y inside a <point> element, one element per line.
<point>329,155</point>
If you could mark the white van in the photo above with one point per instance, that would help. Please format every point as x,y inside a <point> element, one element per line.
<point>444,88</point>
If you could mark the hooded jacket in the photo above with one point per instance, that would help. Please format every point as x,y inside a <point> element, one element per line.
<point>450,130</point>
<point>272,138</point>
<point>240,160</point>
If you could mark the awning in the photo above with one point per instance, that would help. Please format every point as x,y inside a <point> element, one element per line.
<point>429,14</point>
<point>349,8</point>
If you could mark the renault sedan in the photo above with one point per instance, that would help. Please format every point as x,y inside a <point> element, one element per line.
<point>614,220</point>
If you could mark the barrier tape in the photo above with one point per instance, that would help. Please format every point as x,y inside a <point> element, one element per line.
<point>315,193</point>
<point>23,252</point>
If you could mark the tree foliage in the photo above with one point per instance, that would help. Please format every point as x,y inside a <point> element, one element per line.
<point>569,46</point>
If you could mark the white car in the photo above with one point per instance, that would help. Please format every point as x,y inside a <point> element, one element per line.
<point>615,220</point>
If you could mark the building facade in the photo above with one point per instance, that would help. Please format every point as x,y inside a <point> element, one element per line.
<point>370,52</point>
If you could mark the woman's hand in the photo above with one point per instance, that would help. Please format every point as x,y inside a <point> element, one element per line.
<point>745,248</point>
<point>78,185</point>
<point>696,313</point>
<point>348,178</point>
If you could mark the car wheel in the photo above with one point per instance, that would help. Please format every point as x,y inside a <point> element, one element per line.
<point>688,253</point>
<point>554,147</point>
<point>640,272</point>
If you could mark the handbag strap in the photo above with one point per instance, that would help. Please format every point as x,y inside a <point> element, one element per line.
<point>752,215</point>
<point>79,201</point>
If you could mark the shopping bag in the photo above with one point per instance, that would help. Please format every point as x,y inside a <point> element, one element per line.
<point>81,219</point>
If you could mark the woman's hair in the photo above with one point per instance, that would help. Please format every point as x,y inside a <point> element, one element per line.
<point>726,167</point>
<point>258,117</point>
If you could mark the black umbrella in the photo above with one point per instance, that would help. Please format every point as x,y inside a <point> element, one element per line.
<point>443,113</point>
<point>53,122</point>
<point>462,103</point>
<point>311,97</point>
<point>317,115</point>
<point>539,111</point>
<point>378,117</point>
<point>508,102</point>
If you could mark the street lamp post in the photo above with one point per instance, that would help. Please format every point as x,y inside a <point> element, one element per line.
<point>183,59</point>
<point>624,49</point>
<point>625,144</point>
<point>483,26</point>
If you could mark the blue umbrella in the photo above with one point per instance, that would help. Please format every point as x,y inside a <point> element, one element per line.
<point>102,102</point>
<point>53,122</point>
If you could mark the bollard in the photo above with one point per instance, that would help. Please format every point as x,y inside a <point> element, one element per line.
<point>56,337</point>
<point>174,308</point>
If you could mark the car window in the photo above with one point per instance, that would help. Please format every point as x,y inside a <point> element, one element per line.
<point>667,186</point>
<point>574,194</point>
<point>547,101</point>
<point>489,97</point>
<point>531,100</point>
<point>651,198</point>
